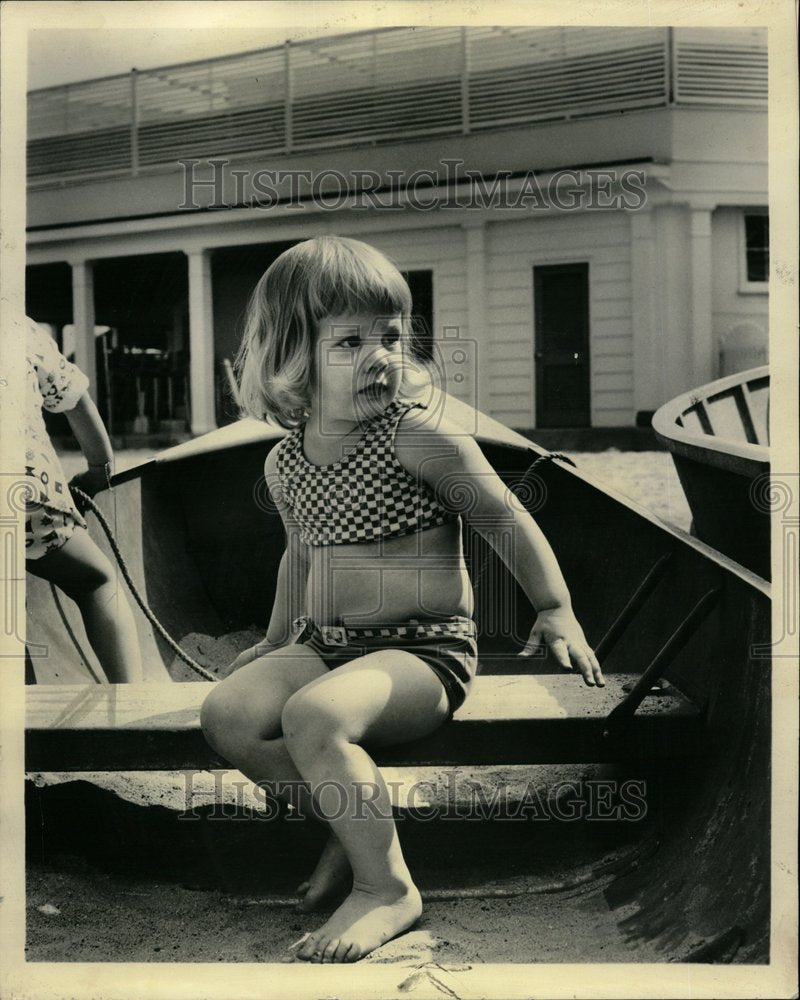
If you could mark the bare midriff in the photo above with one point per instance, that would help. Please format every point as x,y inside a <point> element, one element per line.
<point>393,580</point>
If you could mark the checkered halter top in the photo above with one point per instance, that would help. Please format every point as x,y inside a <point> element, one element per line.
<point>366,496</point>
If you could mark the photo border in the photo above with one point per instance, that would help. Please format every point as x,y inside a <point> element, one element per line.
<point>201,980</point>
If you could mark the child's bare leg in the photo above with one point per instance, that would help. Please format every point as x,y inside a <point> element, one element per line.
<point>241,719</point>
<point>386,697</point>
<point>331,878</point>
<point>81,570</point>
<point>265,760</point>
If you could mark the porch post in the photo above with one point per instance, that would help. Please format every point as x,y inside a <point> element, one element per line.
<point>704,366</point>
<point>648,370</point>
<point>201,343</point>
<point>83,320</point>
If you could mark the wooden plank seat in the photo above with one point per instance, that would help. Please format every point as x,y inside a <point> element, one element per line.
<point>511,719</point>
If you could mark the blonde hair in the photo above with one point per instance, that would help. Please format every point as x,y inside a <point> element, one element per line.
<point>321,277</point>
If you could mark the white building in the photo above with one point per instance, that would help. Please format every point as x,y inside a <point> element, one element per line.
<point>587,232</point>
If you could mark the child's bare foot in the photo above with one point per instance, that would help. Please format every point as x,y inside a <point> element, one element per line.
<point>364,921</point>
<point>332,877</point>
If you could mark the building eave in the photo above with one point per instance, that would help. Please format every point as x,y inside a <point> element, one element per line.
<point>455,195</point>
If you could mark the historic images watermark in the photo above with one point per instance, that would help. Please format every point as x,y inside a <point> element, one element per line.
<point>453,796</point>
<point>215,183</point>
<point>20,497</point>
<point>776,495</point>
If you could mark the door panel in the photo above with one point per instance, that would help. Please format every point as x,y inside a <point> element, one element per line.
<point>561,319</point>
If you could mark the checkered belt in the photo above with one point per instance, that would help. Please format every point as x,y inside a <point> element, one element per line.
<point>342,635</point>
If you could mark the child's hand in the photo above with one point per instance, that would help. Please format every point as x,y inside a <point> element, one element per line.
<point>92,481</point>
<point>558,629</point>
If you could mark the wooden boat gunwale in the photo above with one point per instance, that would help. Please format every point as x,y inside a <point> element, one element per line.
<point>711,448</point>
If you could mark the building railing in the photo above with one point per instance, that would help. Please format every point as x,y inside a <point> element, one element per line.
<point>380,86</point>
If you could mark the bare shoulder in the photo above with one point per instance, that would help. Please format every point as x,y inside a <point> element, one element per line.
<point>425,428</point>
<point>280,498</point>
<point>273,480</point>
<point>425,439</point>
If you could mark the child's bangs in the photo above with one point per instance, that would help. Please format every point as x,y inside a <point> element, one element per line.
<point>353,285</point>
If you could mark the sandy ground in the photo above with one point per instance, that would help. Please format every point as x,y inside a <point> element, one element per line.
<point>111,879</point>
<point>113,874</point>
<point>103,917</point>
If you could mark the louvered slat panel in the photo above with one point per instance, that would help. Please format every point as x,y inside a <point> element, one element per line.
<point>322,66</point>
<point>433,91</point>
<point>382,85</point>
<point>371,136</point>
<point>241,119</point>
<point>372,61</point>
<point>752,37</point>
<point>494,48</point>
<point>721,67</point>
<point>628,76</point>
<point>635,78</point>
<point>566,68</point>
<point>339,116</point>
<point>95,151</point>
<point>551,96</point>
<point>414,56</point>
<point>504,120</point>
<point>356,77</point>
<point>80,107</point>
<point>215,85</point>
<point>257,130</point>
<point>378,107</point>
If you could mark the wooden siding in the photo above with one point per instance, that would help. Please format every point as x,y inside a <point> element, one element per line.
<point>513,249</point>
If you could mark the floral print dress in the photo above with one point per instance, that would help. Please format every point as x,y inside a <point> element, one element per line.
<point>56,385</point>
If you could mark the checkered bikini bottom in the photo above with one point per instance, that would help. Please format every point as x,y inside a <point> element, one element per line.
<point>448,646</point>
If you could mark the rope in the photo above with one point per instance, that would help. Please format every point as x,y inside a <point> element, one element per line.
<point>542,459</point>
<point>88,502</point>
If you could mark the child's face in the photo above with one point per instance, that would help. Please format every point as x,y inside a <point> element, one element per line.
<point>359,365</point>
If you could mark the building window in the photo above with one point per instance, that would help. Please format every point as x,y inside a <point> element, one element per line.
<point>754,275</point>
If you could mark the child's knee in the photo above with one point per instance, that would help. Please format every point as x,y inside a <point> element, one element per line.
<point>88,579</point>
<point>218,716</point>
<point>307,717</point>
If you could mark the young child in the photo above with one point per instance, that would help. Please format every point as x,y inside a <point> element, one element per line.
<point>371,639</point>
<point>57,545</point>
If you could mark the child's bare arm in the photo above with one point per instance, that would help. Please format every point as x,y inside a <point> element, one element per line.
<point>290,585</point>
<point>91,434</point>
<point>290,596</point>
<point>454,466</point>
<point>288,605</point>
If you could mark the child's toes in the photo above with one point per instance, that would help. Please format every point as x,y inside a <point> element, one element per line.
<point>352,953</point>
<point>308,949</point>
<point>321,950</point>
<point>343,949</point>
<point>329,953</point>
